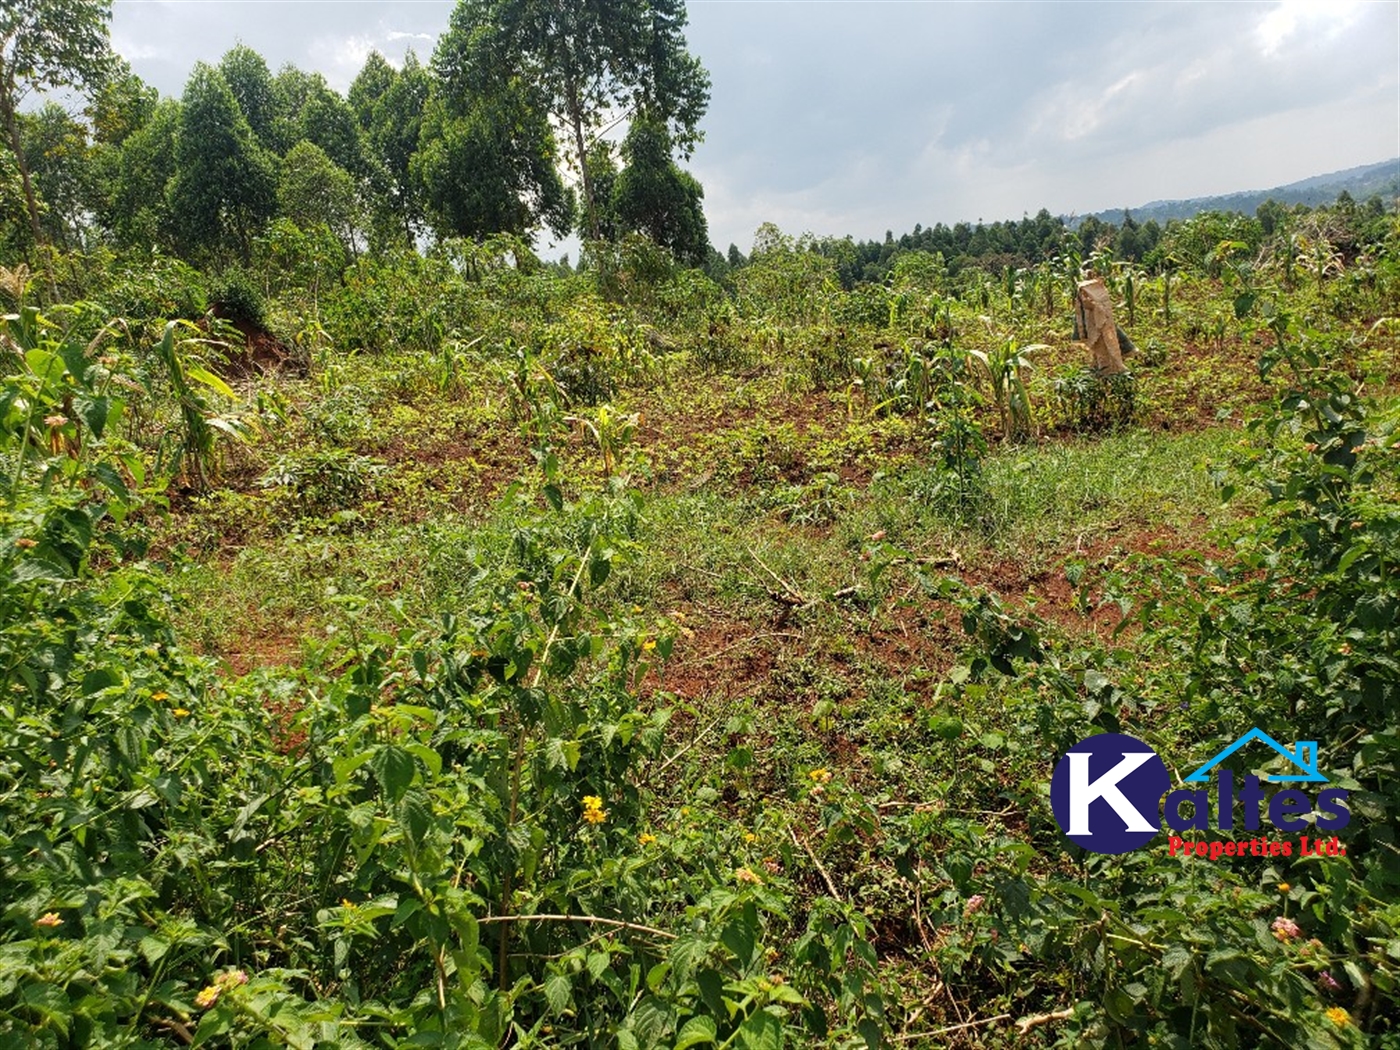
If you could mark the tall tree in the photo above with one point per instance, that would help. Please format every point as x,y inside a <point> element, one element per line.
<point>136,208</point>
<point>247,76</point>
<point>390,105</point>
<point>309,108</point>
<point>488,167</point>
<point>654,196</point>
<point>121,105</point>
<point>313,190</point>
<point>592,61</point>
<point>225,184</point>
<point>59,160</point>
<point>45,45</point>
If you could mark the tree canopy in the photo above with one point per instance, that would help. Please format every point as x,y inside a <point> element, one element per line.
<point>44,45</point>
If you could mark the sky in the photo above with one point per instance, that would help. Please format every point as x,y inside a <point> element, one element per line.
<point>858,116</point>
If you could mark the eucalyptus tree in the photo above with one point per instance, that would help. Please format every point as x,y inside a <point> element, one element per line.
<point>313,190</point>
<point>487,165</point>
<point>592,62</point>
<point>389,104</point>
<point>60,162</point>
<point>47,45</point>
<point>225,184</point>
<point>248,77</point>
<point>136,207</point>
<point>654,196</point>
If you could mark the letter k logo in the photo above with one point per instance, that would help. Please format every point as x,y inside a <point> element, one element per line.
<point>1107,793</point>
<point>1083,791</point>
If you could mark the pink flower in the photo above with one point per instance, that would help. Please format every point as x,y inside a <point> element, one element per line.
<point>974,905</point>
<point>1285,929</point>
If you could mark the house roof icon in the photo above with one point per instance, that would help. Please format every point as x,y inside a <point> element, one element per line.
<point>1303,755</point>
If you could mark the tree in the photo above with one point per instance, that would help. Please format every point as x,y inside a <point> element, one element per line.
<point>59,161</point>
<point>314,191</point>
<point>120,106</point>
<point>655,197</point>
<point>588,61</point>
<point>136,208</point>
<point>224,188</point>
<point>389,104</point>
<point>490,167</point>
<point>46,45</point>
<point>247,76</point>
<point>309,108</point>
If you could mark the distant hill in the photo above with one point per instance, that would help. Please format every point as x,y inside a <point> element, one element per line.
<point>1361,183</point>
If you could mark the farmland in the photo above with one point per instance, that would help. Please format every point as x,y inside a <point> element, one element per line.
<point>629,656</point>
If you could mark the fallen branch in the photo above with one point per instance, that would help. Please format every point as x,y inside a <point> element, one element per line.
<point>794,595</point>
<point>1025,1024</point>
<point>910,1036</point>
<point>825,876</point>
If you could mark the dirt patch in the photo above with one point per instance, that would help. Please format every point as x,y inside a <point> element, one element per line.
<point>262,353</point>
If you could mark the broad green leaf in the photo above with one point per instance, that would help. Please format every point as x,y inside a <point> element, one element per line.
<point>698,1031</point>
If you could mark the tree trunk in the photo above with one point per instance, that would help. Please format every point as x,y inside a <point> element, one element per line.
<point>31,202</point>
<point>576,120</point>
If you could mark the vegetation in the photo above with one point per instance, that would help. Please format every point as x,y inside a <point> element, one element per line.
<point>420,644</point>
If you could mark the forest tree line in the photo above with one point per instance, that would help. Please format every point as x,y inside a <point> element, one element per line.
<point>476,141</point>
<point>503,130</point>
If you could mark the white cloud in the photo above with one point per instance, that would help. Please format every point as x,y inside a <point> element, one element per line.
<point>1310,18</point>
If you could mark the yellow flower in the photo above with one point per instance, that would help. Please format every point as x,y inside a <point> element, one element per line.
<point>820,776</point>
<point>348,904</point>
<point>646,839</point>
<point>159,695</point>
<point>749,836</point>
<point>180,712</point>
<point>1338,1016</point>
<point>593,810</point>
<point>208,997</point>
<point>1283,887</point>
<point>48,919</point>
<point>649,645</point>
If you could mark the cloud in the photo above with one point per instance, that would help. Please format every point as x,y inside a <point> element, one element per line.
<point>876,116</point>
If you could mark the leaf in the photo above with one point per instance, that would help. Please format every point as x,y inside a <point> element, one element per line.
<point>1095,681</point>
<point>212,381</point>
<point>153,948</point>
<point>945,727</point>
<point>599,570</point>
<point>697,1032</point>
<point>394,767</point>
<point>50,1002</point>
<point>558,992</point>
<point>738,937</point>
<point>598,962</point>
<point>416,816</point>
<point>761,1031</point>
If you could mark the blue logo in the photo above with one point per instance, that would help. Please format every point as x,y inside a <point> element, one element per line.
<point>1303,755</point>
<point>1107,796</point>
<point>1107,793</point>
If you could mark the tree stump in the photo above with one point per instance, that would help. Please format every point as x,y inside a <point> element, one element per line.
<point>1094,320</point>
